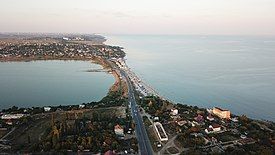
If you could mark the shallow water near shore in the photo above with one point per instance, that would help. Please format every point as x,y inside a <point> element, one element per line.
<point>233,72</point>
<point>52,82</point>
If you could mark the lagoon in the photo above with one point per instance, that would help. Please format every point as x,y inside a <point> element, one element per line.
<point>52,82</point>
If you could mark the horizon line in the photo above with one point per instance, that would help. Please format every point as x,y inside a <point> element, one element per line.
<point>141,34</point>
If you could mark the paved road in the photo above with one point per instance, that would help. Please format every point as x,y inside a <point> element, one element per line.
<point>142,137</point>
<point>3,138</point>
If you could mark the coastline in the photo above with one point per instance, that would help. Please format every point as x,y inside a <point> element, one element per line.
<point>93,59</point>
<point>147,105</point>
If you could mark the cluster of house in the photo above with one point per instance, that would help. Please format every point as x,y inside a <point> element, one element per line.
<point>200,120</point>
<point>73,38</point>
<point>10,119</point>
<point>120,131</point>
<point>216,120</point>
<point>58,50</point>
<point>49,109</point>
<point>158,127</point>
<point>221,113</point>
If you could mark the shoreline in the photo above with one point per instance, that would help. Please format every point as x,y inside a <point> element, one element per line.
<point>191,126</point>
<point>96,60</point>
<point>105,64</point>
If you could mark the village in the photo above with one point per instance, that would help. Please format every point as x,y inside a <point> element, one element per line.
<point>97,127</point>
<point>186,129</point>
<point>55,48</point>
<point>171,128</point>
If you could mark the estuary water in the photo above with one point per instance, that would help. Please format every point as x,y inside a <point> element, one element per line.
<point>44,83</point>
<point>232,72</point>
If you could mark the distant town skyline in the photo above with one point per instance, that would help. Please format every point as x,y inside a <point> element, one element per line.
<point>201,17</point>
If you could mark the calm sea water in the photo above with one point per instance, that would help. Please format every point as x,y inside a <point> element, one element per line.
<point>233,72</point>
<point>41,83</point>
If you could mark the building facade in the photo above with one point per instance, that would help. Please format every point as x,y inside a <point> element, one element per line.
<point>222,113</point>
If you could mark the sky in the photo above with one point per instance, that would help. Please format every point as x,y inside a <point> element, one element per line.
<point>200,17</point>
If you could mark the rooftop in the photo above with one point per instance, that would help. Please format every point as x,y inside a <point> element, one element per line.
<point>221,109</point>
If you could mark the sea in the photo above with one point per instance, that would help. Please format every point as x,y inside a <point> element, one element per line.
<point>231,72</point>
<point>51,83</point>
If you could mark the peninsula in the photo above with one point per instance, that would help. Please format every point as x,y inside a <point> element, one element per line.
<point>132,119</point>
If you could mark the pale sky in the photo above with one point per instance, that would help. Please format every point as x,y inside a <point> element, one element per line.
<point>230,17</point>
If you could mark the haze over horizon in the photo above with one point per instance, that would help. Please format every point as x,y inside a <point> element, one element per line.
<point>220,17</point>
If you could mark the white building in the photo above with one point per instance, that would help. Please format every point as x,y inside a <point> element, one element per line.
<point>156,118</point>
<point>81,106</point>
<point>174,111</point>
<point>12,116</point>
<point>213,128</point>
<point>119,130</point>
<point>46,109</point>
<point>65,38</point>
<point>160,131</point>
<point>210,118</point>
<point>235,119</point>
